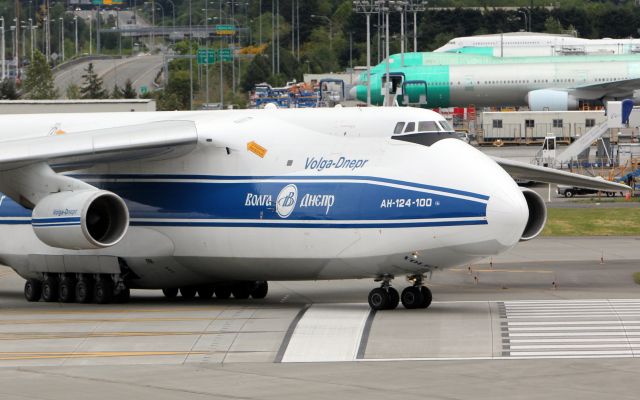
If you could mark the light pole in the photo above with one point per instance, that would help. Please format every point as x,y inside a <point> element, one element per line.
<point>75,20</point>
<point>416,6</point>
<point>90,35</point>
<point>173,13</point>
<point>13,44</point>
<point>330,28</point>
<point>62,37</point>
<point>161,11</point>
<point>367,7</point>
<point>2,48</point>
<point>31,42</point>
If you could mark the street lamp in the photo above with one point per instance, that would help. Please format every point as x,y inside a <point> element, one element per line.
<point>367,7</point>
<point>173,11</point>
<point>330,28</point>
<point>416,6</point>
<point>4,61</point>
<point>75,20</point>
<point>159,7</point>
<point>62,37</point>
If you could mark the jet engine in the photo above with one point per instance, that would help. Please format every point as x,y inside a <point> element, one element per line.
<point>551,100</point>
<point>537,215</point>
<point>81,220</point>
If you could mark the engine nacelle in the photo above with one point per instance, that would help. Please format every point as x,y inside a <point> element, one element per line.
<point>81,220</point>
<point>551,100</point>
<point>537,215</point>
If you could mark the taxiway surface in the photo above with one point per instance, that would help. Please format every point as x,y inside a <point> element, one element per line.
<point>555,317</point>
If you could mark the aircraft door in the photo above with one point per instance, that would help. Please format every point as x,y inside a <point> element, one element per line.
<point>468,83</point>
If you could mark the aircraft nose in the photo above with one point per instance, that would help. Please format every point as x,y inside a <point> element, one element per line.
<point>507,211</point>
<point>506,207</point>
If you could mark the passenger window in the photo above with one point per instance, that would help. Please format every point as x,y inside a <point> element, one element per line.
<point>398,128</point>
<point>411,126</point>
<point>427,126</point>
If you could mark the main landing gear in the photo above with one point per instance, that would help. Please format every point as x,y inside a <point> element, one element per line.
<point>77,288</point>
<point>239,290</point>
<point>387,298</point>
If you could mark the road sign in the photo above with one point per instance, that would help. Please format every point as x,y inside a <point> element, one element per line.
<point>206,56</point>
<point>225,30</point>
<point>225,54</point>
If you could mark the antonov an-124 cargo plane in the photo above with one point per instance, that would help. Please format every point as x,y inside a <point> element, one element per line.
<point>218,203</point>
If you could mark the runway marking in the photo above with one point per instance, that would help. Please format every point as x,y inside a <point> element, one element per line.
<point>83,335</point>
<point>328,333</point>
<point>11,356</point>
<point>96,320</point>
<point>588,328</point>
<point>518,271</point>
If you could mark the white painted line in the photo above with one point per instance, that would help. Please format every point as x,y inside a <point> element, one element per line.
<point>328,333</point>
<point>550,323</point>
<point>574,328</point>
<point>621,339</point>
<point>569,334</point>
<point>572,353</point>
<point>569,346</point>
<point>570,316</point>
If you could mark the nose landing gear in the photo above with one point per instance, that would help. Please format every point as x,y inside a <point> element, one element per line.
<point>386,298</point>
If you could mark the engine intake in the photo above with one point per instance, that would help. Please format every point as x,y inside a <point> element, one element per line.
<point>551,100</point>
<point>537,215</point>
<point>81,220</point>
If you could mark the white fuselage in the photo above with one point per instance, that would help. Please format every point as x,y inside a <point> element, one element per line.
<point>324,202</point>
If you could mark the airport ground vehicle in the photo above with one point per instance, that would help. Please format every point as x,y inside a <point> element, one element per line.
<point>570,191</point>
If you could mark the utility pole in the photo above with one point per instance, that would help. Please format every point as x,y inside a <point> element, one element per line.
<point>190,59</point>
<point>367,7</point>
<point>298,30</point>
<point>17,59</point>
<point>221,65</point>
<point>2,48</point>
<point>98,31</point>
<point>62,37</point>
<point>260,23</point>
<point>90,35</point>
<point>278,35</point>
<point>206,47</point>
<point>31,41</point>
<point>416,6</point>
<point>75,19</point>
<point>273,37</point>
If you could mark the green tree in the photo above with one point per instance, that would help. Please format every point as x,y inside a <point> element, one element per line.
<point>552,25</point>
<point>39,82</point>
<point>8,90</point>
<point>129,92</point>
<point>258,71</point>
<point>116,93</point>
<point>73,91</point>
<point>92,88</point>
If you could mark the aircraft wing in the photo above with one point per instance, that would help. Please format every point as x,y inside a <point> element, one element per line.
<point>536,173</point>
<point>69,150</point>
<point>627,85</point>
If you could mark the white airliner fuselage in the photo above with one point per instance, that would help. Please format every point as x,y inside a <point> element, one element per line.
<point>256,196</point>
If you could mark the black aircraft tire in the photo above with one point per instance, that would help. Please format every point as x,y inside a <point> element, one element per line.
<point>170,293</point>
<point>103,291</point>
<point>123,296</point>
<point>242,290</point>
<point>50,289</point>
<point>32,290</point>
<point>411,297</point>
<point>378,299</point>
<point>223,292</point>
<point>394,299</point>
<point>205,292</point>
<point>188,292</point>
<point>426,297</point>
<point>84,290</point>
<point>260,290</point>
<point>67,290</point>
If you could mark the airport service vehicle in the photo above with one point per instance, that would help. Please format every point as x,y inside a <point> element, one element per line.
<point>524,44</point>
<point>570,191</point>
<point>220,202</point>
<point>434,80</point>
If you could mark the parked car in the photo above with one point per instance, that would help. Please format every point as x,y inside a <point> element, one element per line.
<point>570,191</point>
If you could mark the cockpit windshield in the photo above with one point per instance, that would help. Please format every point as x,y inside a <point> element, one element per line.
<point>428,132</point>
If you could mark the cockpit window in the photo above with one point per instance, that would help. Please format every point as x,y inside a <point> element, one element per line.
<point>411,126</point>
<point>445,126</point>
<point>398,128</point>
<point>427,126</point>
